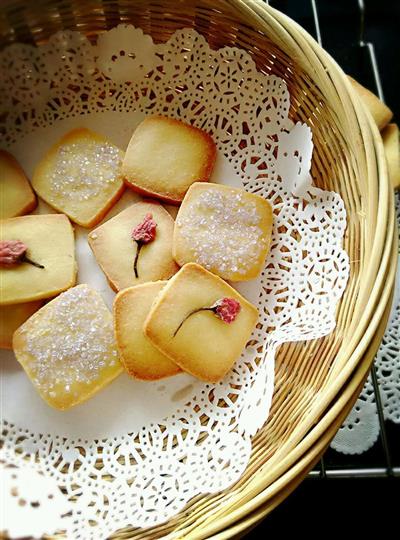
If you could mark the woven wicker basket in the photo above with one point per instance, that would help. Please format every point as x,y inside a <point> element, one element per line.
<point>327,374</point>
<point>326,429</point>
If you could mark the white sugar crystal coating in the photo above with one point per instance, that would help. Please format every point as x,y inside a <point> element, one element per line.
<point>80,176</point>
<point>82,168</point>
<point>222,229</point>
<point>70,341</point>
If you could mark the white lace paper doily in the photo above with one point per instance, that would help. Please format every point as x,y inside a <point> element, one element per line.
<point>360,430</point>
<point>138,452</point>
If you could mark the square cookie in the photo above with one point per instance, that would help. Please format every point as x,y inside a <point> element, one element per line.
<point>198,340</point>
<point>68,348</point>
<point>11,318</point>
<point>115,249</point>
<point>165,156</point>
<point>80,176</point>
<point>50,242</point>
<point>16,195</point>
<point>140,358</point>
<point>224,229</point>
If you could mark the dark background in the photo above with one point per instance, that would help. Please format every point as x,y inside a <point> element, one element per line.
<point>356,505</point>
<point>343,27</point>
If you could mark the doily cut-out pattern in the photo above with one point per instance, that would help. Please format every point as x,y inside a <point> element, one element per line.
<point>360,431</point>
<point>144,478</point>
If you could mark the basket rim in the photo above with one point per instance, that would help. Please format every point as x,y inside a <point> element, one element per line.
<point>379,270</point>
<point>376,280</point>
<point>308,460</point>
<point>323,441</point>
<point>320,437</point>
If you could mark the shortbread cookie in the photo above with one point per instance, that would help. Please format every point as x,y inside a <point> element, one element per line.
<point>16,195</point>
<point>11,318</point>
<point>126,261</point>
<point>140,358</point>
<point>68,348</point>
<point>37,257</point>
<point>200,322</point>
<point>80,176</point>
<point>380,112</point>
<point>391,143</point>
<point>165,156</point>
<point>225,229</point>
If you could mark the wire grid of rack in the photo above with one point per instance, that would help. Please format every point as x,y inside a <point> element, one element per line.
<point>348,43</point>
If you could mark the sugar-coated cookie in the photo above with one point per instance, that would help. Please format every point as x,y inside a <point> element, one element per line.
<point>11,318</point>
<point>224,229</point>
<point>80,176</point>
<point>16,195</point>
<point>140,358</point>
<point>391,143</point>
<point>68,348</point>
<point>37,257</point>
<point>126,261</point>
<point>165,156</point>
<point>200,322</point>
<point>380,112</point>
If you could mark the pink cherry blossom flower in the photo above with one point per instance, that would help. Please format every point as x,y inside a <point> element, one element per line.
<point>143,233</point>
<point>226,309</point>
<point>13,252</point>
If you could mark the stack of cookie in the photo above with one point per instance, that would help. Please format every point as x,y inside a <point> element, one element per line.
<point>174,310</point>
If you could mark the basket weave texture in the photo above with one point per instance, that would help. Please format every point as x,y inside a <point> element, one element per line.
<point>316,381</point>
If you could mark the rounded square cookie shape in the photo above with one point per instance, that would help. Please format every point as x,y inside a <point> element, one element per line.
<point>224,229</point>
<point>205,346</point>
<point>140,358</point>
<point>68,349</point>
<point>16,195</point>
<point>11,318</point>
<point>80,176</point>
<point>115,250</point>
<point>165,156</point>
<point>50,242</point>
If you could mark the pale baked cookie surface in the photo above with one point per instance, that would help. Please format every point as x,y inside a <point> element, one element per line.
<point>380,112</point>
<point>80,176</point>
<point>391,144</point>
<point>16,195</point>
<point>115,250</point>
<point>165,156</point>
<point>203,345</point>
<point>68,348</point>
<point>224,229</point>
<point>50,242</point>
<point>140,358</point>
<point>11,318</point>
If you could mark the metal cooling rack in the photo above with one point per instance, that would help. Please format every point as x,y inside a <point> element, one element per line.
<point>342,28</point>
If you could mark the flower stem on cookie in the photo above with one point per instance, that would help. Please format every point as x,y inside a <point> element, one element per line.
<point>142,234</point>
<point>13,252</point>
<point>226,309</point>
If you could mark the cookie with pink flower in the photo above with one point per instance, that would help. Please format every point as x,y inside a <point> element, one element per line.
<point>200,322</point>
<point>37,258</point>
<point>135,246</point>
